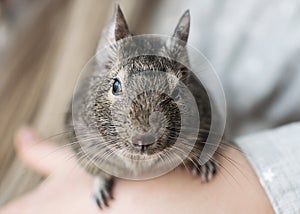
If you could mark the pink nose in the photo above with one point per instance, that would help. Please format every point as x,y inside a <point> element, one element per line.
<point>143,140</point>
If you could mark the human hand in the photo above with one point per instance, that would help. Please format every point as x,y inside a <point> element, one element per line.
<point>68,188</point>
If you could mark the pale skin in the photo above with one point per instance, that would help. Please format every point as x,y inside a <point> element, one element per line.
<point>68,188</point>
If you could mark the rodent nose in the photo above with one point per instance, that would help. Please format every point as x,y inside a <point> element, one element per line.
<point>143,140</point>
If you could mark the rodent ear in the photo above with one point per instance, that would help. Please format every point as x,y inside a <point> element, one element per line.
<point>183,27</point>
<point>116,29</point>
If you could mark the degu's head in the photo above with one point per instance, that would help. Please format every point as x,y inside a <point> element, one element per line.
<point>140,105</point>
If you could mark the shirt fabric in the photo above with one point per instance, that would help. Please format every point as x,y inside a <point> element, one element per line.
<point>275,157</point>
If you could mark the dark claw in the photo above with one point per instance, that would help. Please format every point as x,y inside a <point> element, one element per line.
<point>214,171</point>
<point>104,198</point>
<point>206,172</point>
<point>102,193</point>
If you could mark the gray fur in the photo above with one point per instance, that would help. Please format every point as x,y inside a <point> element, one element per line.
<point>94,110</point>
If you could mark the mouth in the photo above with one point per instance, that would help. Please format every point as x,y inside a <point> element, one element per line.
<point>143,149</point>
<point>142,142</point>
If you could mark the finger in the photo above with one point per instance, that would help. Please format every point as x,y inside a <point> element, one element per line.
<point>44,157</point>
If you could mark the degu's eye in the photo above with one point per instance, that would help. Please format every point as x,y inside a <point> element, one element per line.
<point>117,87</point>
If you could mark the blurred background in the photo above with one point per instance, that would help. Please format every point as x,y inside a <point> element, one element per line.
<point>254,46</point>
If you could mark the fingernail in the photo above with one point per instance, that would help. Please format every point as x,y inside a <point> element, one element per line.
<point>26,136</point>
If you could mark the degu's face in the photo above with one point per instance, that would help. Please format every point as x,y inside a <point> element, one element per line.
<point>144,110</point>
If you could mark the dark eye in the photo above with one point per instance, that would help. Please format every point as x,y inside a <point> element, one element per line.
<point>117,87</point>
<point>183,71</point>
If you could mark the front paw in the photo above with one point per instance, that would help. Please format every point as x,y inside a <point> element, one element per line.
<point>206,171</point>
<point>102,192</point>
